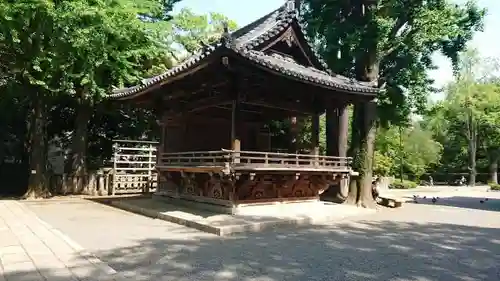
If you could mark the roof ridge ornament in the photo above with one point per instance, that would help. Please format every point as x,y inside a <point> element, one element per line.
<point>227,38</point>
<point>293,6</point>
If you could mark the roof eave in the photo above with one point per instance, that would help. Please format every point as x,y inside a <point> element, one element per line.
<point>190,65</point>
<point>354,89</point>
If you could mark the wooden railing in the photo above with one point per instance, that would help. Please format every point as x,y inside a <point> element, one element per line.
<point>252,159</point>
<point>195,158</point>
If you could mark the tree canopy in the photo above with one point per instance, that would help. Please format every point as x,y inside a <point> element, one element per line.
<point>406,34</point>
<point>60,58</point>
<point>388,43</point>
<point>469,117</point>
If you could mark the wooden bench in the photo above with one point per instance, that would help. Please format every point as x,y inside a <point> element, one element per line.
<point>390,202</point>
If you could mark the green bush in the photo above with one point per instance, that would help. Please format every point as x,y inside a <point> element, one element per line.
<point>405,184</point>
<point>382,164</point>
<point>494,186</point>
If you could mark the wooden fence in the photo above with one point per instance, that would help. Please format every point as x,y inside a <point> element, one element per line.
<point>134,167</point>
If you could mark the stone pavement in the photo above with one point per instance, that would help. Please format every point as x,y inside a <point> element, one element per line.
<point>250,219</point>
<point>457,239</point>
<point>32,250</point>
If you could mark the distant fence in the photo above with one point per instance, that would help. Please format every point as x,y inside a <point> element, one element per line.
<point>452,178</point>
<point>134,167</point>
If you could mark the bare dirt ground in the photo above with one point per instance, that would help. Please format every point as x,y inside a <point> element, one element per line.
<point>457,238</point>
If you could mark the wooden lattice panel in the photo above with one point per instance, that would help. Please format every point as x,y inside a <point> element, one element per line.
<point>134,167</point>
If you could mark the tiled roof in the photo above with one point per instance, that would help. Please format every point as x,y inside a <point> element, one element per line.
<point>289,67</point>
<point>146,83</point>
<point>245,40</point>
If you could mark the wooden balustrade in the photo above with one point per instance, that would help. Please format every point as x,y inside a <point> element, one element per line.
<point>253,160</point>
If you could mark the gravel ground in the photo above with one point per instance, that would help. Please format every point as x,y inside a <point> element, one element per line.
<point>458,238</point>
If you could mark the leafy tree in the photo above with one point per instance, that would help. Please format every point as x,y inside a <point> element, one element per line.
<point>191,31</point>
<point>414,148</point>
<point>383,165</point>
<point>469,116</point>
<point>105,43</point>
<point>489,138</point>
<point>472,115</point>
<point>78,48</point>
<point>447,133</point>
<point>390,43</point>
<point>420,151</point>
<point>305,134</point>
<point>29,34</point>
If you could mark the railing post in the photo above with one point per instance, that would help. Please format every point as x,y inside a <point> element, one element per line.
<point>115,155</point>
<point>150,168</point>
<point>235,157</point>
<point>266,159</point>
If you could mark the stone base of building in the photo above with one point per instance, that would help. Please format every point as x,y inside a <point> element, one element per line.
<point>231,209</point>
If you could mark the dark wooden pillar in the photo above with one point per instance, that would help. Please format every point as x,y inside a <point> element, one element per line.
<point>315,134</point>
<point>343,130</point>
<point>294,133</point>
<point>163,130</point>
<point>161,148</point>
<point>236,126</point>
<point>337,124</point>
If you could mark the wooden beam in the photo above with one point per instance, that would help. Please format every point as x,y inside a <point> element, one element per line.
<point>283,106</point>
<point>193,106</point>
<point>315,134</point>
<point>185,91</point>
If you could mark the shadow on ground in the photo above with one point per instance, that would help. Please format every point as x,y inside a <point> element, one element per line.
<point>364,250</point>
<point>353,251</point>
<point>476,203</point>
<point>368,249</point>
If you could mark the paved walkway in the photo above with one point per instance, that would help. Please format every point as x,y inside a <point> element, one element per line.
<point>32,250</point>
<point>456,239</point>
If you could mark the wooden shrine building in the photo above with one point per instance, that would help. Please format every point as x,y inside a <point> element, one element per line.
<point>213,109</point>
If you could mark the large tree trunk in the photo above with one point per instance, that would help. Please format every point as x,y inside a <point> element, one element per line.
<point>362,150</point>
<point>472,149</point>
<point>37,186</point>
<point>79,146</point>
<point>472,163</point>
<point>364,115</point>
<point>493,167</point>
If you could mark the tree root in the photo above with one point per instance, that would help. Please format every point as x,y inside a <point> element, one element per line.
<point>368,204</point>
<point>36,193</point>
<point>351,200</point>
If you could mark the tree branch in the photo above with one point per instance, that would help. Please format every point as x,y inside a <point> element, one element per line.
<point>401,22</point>
<point>400,43</point>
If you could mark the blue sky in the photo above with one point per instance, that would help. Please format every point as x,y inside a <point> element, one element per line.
<point>244,12</point>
